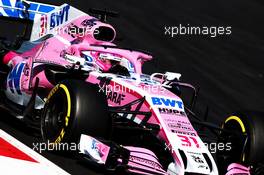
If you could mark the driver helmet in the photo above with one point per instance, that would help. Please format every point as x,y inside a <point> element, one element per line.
<point>105,61</point>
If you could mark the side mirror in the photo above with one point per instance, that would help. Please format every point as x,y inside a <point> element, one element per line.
<point>170,76</point>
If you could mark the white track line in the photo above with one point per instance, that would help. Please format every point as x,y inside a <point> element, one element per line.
<point>37,164</point>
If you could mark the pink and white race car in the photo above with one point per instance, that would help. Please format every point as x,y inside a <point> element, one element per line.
<point>69,79</point>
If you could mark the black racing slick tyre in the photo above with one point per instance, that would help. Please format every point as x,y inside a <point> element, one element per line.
<point>73,108</point>
<point>246,138</point>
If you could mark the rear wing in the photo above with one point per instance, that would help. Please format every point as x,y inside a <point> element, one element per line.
<point>45,18</point>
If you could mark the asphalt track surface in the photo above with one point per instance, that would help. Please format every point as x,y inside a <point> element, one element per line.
<point>228,69</point>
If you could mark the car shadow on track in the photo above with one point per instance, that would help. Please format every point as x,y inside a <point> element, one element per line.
<point>11,123</point>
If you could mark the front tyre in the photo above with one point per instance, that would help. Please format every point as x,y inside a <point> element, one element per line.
<point>73,108</point>
<point>246,138</point>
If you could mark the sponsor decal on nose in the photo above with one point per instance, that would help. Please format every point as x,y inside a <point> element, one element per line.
<point>167,102</point>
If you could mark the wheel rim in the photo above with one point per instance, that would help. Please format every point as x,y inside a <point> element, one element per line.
<point>238,139</point>
<point>54,116</point>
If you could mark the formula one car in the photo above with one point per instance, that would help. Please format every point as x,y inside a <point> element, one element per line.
<point>65,76</point>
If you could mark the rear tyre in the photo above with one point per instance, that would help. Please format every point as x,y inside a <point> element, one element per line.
<point>246,139</point>
<point>73,108</point>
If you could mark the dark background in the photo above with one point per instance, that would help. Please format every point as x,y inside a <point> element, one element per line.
<point>228,69</point>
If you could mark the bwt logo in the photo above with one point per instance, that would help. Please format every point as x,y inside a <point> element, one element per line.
<point>167,102</point>
<point>36,7</point>
<point>60,17</point>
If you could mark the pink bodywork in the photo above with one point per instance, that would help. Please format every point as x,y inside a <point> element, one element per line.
<point>175,129</point>
<point>144,159</point>
<point>236,168</point>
